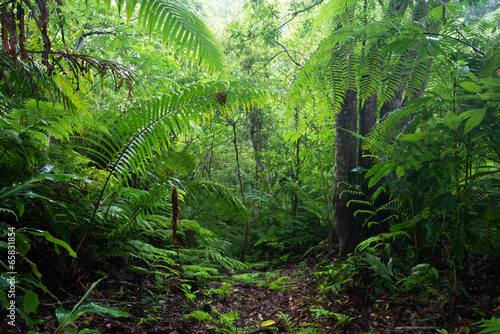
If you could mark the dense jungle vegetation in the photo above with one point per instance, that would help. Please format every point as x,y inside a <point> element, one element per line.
<point>260,166</point>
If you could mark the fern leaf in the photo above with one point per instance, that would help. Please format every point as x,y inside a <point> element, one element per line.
<point>181,30</point>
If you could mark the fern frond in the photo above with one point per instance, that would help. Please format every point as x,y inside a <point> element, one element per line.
<point>268,239</point>
<point>359,202</point>
<point>133,137</point>
<point>418,77</point>
<point>387,130</point>
<point>199,272</point>
<point>371,74</point>
<point>332,10</point>
<point>380,189</point>
<point>367,212</point>
<point>219,192</point>
<point>489,326</point>
<point>351,192</point>
<point>184,33</point>
<point>381,238</point>
<point>150,253</point>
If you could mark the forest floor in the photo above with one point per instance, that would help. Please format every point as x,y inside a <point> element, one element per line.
<point>283,301</point>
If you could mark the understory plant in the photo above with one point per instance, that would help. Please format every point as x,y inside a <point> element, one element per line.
<point>79,171</point>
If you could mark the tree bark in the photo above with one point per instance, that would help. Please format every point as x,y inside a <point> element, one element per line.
<point>247,225</point>
<point>296,171</point>
<point>345,161</point>
<point>258,141</point>
<point>367,119</point>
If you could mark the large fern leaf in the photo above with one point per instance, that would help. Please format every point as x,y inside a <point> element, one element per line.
<point>132,138</point>
<point>183,32</point>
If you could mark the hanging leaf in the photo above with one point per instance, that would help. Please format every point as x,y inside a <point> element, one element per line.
<point>31,302</point>
<point>55,241</point>
<point>470,86</point>
<point>452,120</point>
<point>475,119</point>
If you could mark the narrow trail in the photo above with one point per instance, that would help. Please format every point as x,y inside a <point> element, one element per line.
<point>285,301</point>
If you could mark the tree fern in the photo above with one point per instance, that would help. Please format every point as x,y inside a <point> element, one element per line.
<point>182,31</point>
<point>150,253</point>
<point>332,10</point>
<point>371,73</point>
<point>216,195</point>
<point>199,246</point>
<point>383,136</point>
<point>133,137</point>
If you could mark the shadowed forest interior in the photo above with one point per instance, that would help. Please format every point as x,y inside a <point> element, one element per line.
<point>260,166</point>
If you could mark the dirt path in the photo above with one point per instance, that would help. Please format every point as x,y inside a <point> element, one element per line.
<point>286,301</point>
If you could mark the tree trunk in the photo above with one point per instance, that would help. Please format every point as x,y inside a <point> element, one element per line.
<point>296,171</point>
<point>247,225</point>
<point>258,141</point>
<point>367,119</point>
<point>345,161</point>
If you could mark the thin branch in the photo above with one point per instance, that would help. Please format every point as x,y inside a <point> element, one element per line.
<point>283,24</point>
<point>90,33</point>
<point>297,13</point>
<point>289,55</point>
<point>276,55</point>
<point>458,40</point>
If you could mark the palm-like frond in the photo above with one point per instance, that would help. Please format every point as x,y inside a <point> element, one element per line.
<point>333,10</point>
<point>133,137</point>
<point>216,195</point>
<point>382,137</point>
<point>184,32</point>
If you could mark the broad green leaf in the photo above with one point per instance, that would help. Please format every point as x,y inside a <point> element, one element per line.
<point>102,309</point>
<point>470,86</point>
<point>62,315</point>
<point>474,120</point>
<point>490,96</point>
<point>22,243</point>
<point>491,82</point>
<point>418,136</point>
<point>55,241</point>
<point>386,169</point>
<point>467,114</point>
<point>473,77</point>
<point>36,282</point>
<point>31,302</point>
<point>20,207</point>
<point>400,171</point>
<point>452,120</point>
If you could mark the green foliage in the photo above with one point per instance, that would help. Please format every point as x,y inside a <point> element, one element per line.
<point>67,317</point>
<point>183,32</point>
<point>282,284</point>
<point>420,275</point>
<point>438,155</point>
<point>337,275</point>
<point>91,149</point>
<point>199,316</point>
<point>342,319</point>
<point>292,327</point>
<point>386,274</point>
<point>489,326</point>
<point>225,289</point>
<point>17,247</point>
